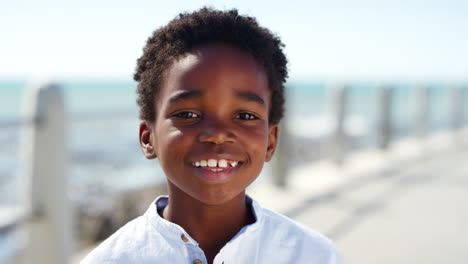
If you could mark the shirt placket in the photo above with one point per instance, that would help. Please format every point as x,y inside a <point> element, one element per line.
<point>195,253</point>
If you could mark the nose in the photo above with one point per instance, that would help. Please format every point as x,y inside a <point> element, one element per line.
<point>217,132</point>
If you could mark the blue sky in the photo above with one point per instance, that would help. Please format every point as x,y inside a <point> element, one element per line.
<point>324,39</point>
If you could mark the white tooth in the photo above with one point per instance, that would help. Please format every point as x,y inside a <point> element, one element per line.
<point>203,163</point>
<point>222,163</point>
<point>213,170</point>
<point>234,163</point>
<point>197,164</point>
<point>212,163</point>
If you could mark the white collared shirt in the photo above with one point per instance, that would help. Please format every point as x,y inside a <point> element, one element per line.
<point>273,238</point>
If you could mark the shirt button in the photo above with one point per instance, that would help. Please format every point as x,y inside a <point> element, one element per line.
<point>184,238</point>
<point>197,261</point>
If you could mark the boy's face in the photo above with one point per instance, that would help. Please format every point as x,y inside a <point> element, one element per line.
<point>211,132</point>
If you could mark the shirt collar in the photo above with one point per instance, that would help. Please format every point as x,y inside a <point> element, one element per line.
<point>174,232</point>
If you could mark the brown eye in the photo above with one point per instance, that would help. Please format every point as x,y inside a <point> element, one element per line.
<point>187,115</point>
<point>246,116</point>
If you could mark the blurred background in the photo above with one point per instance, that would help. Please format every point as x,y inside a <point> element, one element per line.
<point>344,57</point>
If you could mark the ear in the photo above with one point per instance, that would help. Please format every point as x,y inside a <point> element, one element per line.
<point>273,135</point>
<point>146,140</point>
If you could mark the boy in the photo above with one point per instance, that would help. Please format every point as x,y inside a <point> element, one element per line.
<point>211,97</point>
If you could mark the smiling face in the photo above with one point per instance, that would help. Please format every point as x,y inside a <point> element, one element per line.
<point>211,132</point>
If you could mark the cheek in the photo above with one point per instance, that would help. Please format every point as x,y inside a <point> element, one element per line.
<point>257,142</point>
<point>171,142</point>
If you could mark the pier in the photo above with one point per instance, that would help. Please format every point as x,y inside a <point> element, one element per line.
<point>399,202</point>
<point>406,205</point>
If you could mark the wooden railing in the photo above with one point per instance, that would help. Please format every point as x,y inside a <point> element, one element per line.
<point>385,122</point>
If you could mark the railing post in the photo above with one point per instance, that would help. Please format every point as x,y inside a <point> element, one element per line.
<point>458,107</point>
<point>49,229</point>
<point>339,103</point>
<point>384,119</point>
<point>422,111</point>
<point>279,164</point>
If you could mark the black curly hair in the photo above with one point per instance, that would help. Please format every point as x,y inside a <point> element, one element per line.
<point>205,26</point>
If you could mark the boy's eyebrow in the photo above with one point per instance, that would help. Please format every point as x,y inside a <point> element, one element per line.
<point>184,95</point>
<point>189,94</point>
<point>249,96</point>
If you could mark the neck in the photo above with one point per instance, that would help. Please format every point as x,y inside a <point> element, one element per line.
<point>212,226</point>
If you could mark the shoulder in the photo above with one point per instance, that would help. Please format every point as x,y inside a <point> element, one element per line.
<point>306,243</point>
<point>122,246</point>
<point>284,228</point>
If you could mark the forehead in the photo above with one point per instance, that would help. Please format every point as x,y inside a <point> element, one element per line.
<point>215,68</point>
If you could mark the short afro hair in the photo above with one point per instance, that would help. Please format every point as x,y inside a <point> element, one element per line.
<point>207,26</point>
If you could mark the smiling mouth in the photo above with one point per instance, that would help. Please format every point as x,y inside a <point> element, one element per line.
<point>216,165</point>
